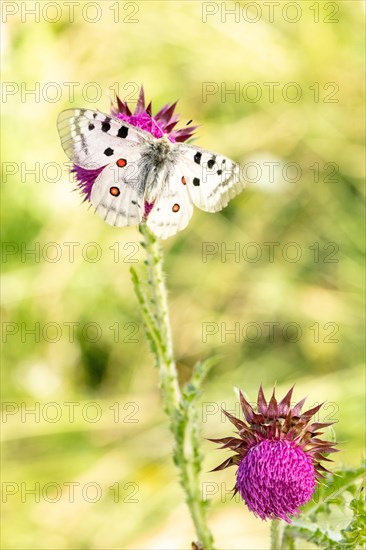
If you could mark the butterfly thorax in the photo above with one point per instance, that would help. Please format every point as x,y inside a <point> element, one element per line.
<point>159,151</point>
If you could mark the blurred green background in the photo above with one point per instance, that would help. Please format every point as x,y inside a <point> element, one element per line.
<point>97,450</point>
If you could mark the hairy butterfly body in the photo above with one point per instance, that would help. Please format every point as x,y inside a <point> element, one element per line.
<point>143,178</point>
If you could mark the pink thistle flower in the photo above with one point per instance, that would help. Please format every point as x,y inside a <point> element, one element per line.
<point>163,122</point>
<point>85,179</point>
<point>278,455</point>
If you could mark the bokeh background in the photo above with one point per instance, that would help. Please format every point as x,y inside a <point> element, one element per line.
<point>98,424</point>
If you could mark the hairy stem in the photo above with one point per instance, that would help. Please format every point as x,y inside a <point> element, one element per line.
<point>179,406</point>
<point>276,534</point>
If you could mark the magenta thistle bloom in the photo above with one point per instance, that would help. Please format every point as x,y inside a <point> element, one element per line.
<point>163,122</point>
<point>278,455</point>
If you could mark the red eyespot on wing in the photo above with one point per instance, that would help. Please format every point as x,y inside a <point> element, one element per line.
<point>121,163</point>
<point>114,191</point>
<point>176,207</point>
<point>184,180</point>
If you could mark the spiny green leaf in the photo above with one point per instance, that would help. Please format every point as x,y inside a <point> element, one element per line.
<point>331,489</point>
<point>334,491</point>
<point>192,389</point>
<point>312,533</point>
<point>354,535</point>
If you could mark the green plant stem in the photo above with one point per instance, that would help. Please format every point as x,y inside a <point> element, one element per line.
<point>288,541</point>
<point>179,406</point>
<point>276,529</point>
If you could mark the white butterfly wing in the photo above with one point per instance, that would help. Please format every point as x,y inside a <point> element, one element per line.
<point>92,139</point>
<point>131,166</point>
<point>173,207</point>
<point>212,179</point>
<point>118,198</point>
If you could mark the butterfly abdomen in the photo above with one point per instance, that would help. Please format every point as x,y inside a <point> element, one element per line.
<point>159,159</point>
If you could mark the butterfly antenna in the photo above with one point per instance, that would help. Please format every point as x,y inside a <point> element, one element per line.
<point>156,124</point>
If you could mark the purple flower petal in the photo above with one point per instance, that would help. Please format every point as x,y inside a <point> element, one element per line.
<point>86,179</point>
<point>148,206</point>
<point>140,105</point>
<point>166,113</point>
<point>275,478</point>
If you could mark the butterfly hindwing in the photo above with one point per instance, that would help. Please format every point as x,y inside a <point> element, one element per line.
<point>212,179</point>
<point>92,139</point>
<point>118,199</point>
<point>173,207</point>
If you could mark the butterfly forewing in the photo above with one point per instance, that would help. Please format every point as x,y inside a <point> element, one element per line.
<point>92,139</point>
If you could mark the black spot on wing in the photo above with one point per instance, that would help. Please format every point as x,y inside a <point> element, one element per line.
<point>196,182</point>
<point>106,125</point>
<point>108,152</point>
<point>122,132</point>
<point>197,157</point>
